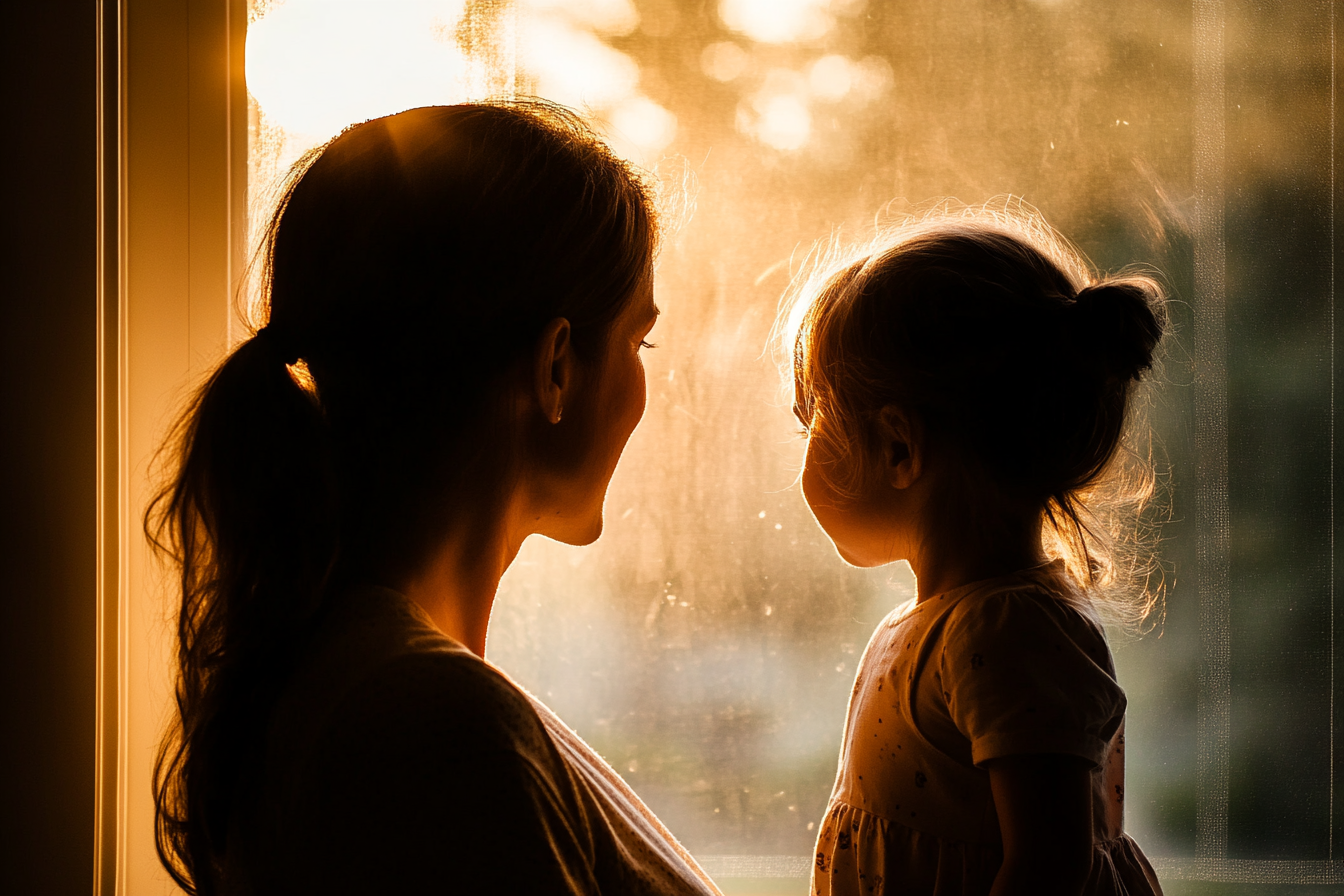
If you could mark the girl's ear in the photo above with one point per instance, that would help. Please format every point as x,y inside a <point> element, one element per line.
<point>902,446</point>
<point>553,369</point>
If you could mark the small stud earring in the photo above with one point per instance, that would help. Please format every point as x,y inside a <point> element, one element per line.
<point>558,412</point>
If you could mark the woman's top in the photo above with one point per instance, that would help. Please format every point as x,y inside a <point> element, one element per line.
<point>400,762</point>
<point>1003,667</point>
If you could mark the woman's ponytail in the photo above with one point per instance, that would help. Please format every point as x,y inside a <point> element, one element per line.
<point>251,520</point>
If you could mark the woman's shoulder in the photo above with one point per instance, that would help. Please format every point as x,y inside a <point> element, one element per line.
<point>450,697</point>
<point>379,667</point>
<point>396,756</point>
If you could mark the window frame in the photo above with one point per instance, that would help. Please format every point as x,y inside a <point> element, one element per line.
<point>173,125</point>
<point>173,130</point>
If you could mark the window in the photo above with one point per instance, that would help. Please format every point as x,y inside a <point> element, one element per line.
<point>707,644</point>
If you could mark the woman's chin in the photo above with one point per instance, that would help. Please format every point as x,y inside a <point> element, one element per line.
<point>588,537</point>
<point>574,532</point>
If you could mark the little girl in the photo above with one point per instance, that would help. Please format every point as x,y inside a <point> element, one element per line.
<point>965,385</point>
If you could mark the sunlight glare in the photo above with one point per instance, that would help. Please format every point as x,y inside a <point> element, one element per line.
<point>778,21</point>
<point>614,17</point>
<point>574,68</point>
<point>315,67</point>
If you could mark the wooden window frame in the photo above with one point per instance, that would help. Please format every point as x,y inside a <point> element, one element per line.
<point>173,117</point>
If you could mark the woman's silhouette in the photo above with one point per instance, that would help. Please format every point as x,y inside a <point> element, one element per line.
<point>457,298</point>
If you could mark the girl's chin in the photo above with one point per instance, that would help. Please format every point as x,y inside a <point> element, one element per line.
<point>856,560</point>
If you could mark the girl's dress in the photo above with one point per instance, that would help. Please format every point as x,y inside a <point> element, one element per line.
<point>1003,667</point>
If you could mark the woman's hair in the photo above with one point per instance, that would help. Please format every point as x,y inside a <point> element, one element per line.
<point>410,262</point>
<point>1020,362</point>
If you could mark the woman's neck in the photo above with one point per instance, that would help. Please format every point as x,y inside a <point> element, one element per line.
<point>457,583</point>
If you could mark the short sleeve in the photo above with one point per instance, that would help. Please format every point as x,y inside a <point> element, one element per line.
<point>1027,673</point>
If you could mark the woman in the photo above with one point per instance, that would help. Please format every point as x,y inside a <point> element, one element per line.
<point>457,300</point>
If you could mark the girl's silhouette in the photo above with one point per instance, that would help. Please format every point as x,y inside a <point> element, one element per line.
<point>456,301</point>
<point>965,384</point>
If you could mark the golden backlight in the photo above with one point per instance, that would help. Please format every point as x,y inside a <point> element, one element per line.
<point>314,67</point>
<point>706,645</point>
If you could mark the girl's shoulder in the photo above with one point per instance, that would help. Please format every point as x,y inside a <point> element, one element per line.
<point>1032,606</point>
<point>1025,668</point>
<point>1048,587</point>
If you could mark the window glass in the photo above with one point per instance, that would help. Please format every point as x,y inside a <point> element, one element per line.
<point>707,644</point>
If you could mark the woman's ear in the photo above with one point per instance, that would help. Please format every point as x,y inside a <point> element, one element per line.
<point>553,369</point>
<point>902,446</point>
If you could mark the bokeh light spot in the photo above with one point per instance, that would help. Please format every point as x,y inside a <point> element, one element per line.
<point>830,77</point>
<point>645,124</point>
<point>723,61</point>
<point>781,122</point>
<point>872,78</point>
<point>575,68</point>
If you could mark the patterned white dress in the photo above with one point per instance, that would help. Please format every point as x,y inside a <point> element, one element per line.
<point>1007,666</point>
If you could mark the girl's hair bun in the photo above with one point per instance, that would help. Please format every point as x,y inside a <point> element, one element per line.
<point>1118,323</point>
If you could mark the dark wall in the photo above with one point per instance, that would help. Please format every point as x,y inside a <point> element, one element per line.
<point>48,277</point>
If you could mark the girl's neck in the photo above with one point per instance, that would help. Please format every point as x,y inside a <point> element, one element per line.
<point>959,552</point>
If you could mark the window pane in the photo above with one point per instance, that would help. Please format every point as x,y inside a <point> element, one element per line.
<point>707,644</point>
<point>1280,426</point>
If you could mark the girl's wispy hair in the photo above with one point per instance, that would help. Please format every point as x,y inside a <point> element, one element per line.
<point>1023,364</point>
